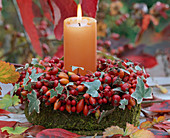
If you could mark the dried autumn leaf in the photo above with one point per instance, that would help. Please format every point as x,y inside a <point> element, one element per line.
<point>17,130</point>
<point>130,129</point>
<point>146,124</point>
<point>8,73</point>
<point>162,89</point>
<point>142,133</point>
<point>161,119</point>
<point>113,130</point>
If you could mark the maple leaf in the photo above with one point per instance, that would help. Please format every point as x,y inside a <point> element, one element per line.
<point>8,73</point>
<point>113,130</point>
<point>92,87</point>
<point>8,101</point>
<point>17,130</point>
<point>35,76</point>
<point>33,102</point>
<point>123,103</point>
<point>25,7</point>
<point>141,92</point>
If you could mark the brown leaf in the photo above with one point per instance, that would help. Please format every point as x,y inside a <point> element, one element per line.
<point>142,133</point>
<point>34,130</point>
<point>8,73</point>
<point>146,124</point>
<point>112,131</point>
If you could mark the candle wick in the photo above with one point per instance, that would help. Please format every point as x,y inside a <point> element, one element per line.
<point>79,24</point>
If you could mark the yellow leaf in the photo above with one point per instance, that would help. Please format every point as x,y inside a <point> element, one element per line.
<point>146,124</point>
<point>160,119</point>
<point>8,73</point>
<point>142,133</point>
<point>113,130</point>
<point>130,129</point>
<point>162,89</point>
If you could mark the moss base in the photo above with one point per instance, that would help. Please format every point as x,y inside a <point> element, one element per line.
<point>80,124</point>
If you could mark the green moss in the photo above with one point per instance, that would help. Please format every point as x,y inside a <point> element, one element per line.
<point>81,124</point>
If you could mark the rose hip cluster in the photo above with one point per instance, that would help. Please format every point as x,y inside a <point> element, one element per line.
<point>118,81</point>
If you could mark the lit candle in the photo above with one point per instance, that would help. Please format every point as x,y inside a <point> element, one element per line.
<point>80,43</point>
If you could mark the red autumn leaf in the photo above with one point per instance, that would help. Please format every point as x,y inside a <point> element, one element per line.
<point>89,7</point>
<point>0,5</point>
<point>145,60</point>
<point>61,9</point>
<point>159,133</point>
<point>162,126</point>
<point>25,7</point>
<point>4,112</point>
<point>46,9</point>
<point>36,10</point>
<point>60,52</point>
<point>160,107</point>
<point>57,132</point>
<point>6,124</point>
<point>34,130</point>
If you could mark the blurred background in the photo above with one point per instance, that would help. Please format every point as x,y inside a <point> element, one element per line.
<point>135,29</point>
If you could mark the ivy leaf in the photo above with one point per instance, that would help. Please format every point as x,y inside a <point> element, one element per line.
<point>28,87</point>
<point>70,83</point>
<point>15,88</point>
<point>35,76</point>
<point>26,66</point>
<point>17,130</point>
<point>8,101</point>
<point>118,89</point>
<point>26,79</point>
<point>123,103</point>
<point>33,102</point>
<point>58,89</point>
<point>92,87</point>
<point>138,68</point>
<point>120,65</point>
<point>143,70</point>
<point>8,73</point>
<point>129,63</point>
<point>5,88</point>
<point>34,61</point>
<point>125,71</point>
<point>141,92</point>
<point>75,67</point>
<point>113,130</point>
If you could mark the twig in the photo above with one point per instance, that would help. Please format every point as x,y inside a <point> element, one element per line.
<point>5,115</point>
<point>153,101</point>
<point>20,19</point>
<point>17,65</point>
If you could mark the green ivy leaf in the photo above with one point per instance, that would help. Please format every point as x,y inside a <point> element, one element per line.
<point>33,102</point>
<point>138,68</point>
<point>17,130</point>
<point>26,66</point>
<point>75,67</point>
<point>8,101</point>
<point>92,87</point>
<point>16,86</point>
<point>118,89</point>
<point>123,103</point>
<point>141,92</point>
<point>120,65</point>
<point>126,71</point>
<point>129,63</point>
<point>28,87</point>
<point>35,76</point>
<point>34,61</point>
<point>58,89</point>
<point>143,70</point>
<point>26,79</point>
<point>102,73</point>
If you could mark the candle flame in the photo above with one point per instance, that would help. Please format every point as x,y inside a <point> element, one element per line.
<point>79,14</point>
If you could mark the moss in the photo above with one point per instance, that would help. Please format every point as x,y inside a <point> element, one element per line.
<point>81,124</point>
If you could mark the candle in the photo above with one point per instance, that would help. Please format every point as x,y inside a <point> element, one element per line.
<point>80,43</point>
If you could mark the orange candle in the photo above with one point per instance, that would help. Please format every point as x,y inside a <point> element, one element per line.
<point>80,43</point>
